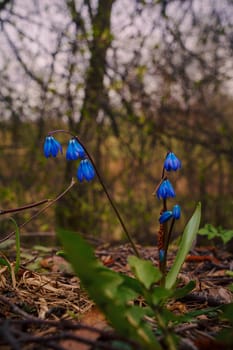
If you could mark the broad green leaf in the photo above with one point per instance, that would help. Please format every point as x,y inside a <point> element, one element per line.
<point>188,237</point>
<point>132,283</point>
<point>144,271</point>
<point>111,291</point>
<point>125,294</point>
<point>135,316</point>
<point>160,294</point>
<point>226,236</point>
<point>109,282</point>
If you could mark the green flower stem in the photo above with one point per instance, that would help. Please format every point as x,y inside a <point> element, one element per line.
<point>104,188</point>
<point>167,239</point>
<point>164,234</point>
<point>167,335</point>
<point>163,265</point>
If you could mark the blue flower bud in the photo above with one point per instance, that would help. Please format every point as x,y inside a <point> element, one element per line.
<point>165,216</point>
<point>85,170</point>
<point>172,162</point>
<point>51,147</point>
<point>74,150</point>
<point>161,255</point>
<point>165,190</point>
<point>176,211</point>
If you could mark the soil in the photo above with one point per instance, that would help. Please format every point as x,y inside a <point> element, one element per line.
<point>45,307</point>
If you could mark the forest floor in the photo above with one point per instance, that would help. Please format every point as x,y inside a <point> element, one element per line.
<point>44,306</point>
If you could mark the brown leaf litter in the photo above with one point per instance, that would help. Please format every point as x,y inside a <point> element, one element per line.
<point>46,307</point>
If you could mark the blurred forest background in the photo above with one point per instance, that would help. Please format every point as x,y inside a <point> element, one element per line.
<point>133,79</point>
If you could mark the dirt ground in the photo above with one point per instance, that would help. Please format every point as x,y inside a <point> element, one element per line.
<point>45,307</point>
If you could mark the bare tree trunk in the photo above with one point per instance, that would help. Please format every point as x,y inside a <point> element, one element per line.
<point>94,89</point>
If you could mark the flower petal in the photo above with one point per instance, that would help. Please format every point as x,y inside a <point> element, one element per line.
<point>165,216</point>
<point>176,211</point>
<point>172,163</point>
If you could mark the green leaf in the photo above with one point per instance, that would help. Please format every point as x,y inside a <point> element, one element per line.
<point>4,262</point>
<point>189,316</point>
<point>144,271</point>
<point>135,316</point>
<point>17,245</point>
<point>109,282</point>
<point>211,232</point>
<point>111,291</point>
<point>226,236</point>
<point>182,292</point>
<point>188,237</point>
<point>228,312</point>
<point>133,284</point>
<point>160,294</point>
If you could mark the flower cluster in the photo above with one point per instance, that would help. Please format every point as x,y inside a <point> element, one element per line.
<point>165,189</point>
<point>74,151</point>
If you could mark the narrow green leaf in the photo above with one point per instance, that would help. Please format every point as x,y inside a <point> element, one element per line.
<point>17,245</point>
<point>4,262</point>
<point>228,312</point>
<point>188,237</point>
<point>182,292</point>
<point>144,271</point>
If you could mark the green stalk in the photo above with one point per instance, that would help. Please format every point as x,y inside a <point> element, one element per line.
<point>163,264</point>
<point>128,235</point>
<point>166,332</point>
<point>17,245</point>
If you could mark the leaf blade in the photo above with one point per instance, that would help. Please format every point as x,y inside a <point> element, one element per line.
<point>188,237</point>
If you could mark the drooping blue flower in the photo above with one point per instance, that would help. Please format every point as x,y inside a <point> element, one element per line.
<point>51,147</point>
<point>165,216</point>
<point>176,211</point>
<point>172,162</point>
<point>85,170</point>
<point>161,255</point>
<point>165,190</point>
<point>74,150</point>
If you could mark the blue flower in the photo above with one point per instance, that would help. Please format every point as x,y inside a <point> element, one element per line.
<point>165,190</point>
<point>172,162</point>
<point>85,170</point>
<point>51,147</point>
<point>176,211</point>
<point>161,255</point>
<point>165,216</point>
<point>74,150</point>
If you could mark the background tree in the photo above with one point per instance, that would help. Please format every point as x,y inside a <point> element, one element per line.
<point>133,79</point>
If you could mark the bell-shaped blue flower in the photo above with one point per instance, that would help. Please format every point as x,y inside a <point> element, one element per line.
<point>51,147</point>
<point>74,150</point>
<point>165,190</point>
<point>176,211</point>
<point>172,162</point>
<point>85,170</point>
<point>165,216</point>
